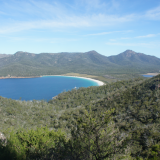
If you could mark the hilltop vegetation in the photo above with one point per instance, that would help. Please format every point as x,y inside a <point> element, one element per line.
<point>29,64</point>
<point>116,121</point>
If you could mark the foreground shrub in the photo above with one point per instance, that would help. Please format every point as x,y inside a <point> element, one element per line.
<point>95,137</point>
<point>31,144</point>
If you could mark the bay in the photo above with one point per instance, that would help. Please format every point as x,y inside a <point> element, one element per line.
<point>42,88</point>
<point>148,76</point>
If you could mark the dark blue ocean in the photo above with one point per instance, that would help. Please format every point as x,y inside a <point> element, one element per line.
<point>42,88</point>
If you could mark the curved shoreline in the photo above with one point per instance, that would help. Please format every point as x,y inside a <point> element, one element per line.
<point>153,74</point>
<point>100,83</point>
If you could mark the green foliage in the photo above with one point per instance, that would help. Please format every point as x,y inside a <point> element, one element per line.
<point>95,137</point>
<point>30,144</point>
<point>154,152</point>
<point>93,129</point>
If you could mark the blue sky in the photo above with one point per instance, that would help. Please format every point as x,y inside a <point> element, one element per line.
<point>107,26</point>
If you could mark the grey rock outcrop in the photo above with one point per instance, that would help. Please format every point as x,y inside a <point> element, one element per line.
<point>3,139</point>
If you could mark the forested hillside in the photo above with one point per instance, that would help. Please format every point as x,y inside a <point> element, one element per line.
<point>115,121</point>
<point>30,64</point>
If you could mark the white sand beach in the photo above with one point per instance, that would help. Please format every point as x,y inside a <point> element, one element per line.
<point>153,74</point>
<point>100,83</point>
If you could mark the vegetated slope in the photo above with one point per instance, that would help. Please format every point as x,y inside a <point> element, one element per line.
<point>139,61</point>
<point>29,64</point>
<point>61,113</point>
<point>129,56</point>
<point>50,63</point>
<point>15,113</point>
<point>136,114</point>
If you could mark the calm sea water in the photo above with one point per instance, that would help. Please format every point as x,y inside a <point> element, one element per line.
<point>43,88</point>
<point>148,76</point>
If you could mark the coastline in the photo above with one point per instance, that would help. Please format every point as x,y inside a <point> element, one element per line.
<point>153,74</point>
<point>18,77</point>
<point>100,83</point>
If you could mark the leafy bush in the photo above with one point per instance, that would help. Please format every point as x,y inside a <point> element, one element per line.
<point>95,137</point>
<point>31,144</point>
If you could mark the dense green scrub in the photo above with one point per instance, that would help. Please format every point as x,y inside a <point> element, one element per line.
<point>115,121</point>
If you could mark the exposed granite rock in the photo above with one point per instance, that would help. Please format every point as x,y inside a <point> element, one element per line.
<point>3,139</point>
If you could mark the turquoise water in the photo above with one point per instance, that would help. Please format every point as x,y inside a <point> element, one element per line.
<point>148,76</point>
<point>42,88</point>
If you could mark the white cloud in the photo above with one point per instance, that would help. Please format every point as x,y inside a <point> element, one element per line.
<point>3,13</point>
<point>41,24</point>
<point>147,36</point>
<point>66,21</point>
<point>153,14</point>
<point>148,45</point>
<point>49,10</point>
<point>111,19</point>
<point>34,14</point>
<point>44,15</point>
<point>104,33</point>
<point>47,40</point>
<point>99,34</point>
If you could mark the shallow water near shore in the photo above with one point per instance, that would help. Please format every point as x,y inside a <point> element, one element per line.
<point>42,88</point>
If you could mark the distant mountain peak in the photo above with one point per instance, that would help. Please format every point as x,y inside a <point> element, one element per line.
<point>21,54</point>
<point>92,52</point>
<point>129,53</point>
<point>18,52</point>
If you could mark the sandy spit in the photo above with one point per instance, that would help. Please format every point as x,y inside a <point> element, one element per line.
<point>153,74</point>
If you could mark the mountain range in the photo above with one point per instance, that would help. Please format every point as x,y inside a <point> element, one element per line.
<point>30,64</point>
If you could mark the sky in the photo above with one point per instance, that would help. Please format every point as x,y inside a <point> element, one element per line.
<point>107,26</point>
